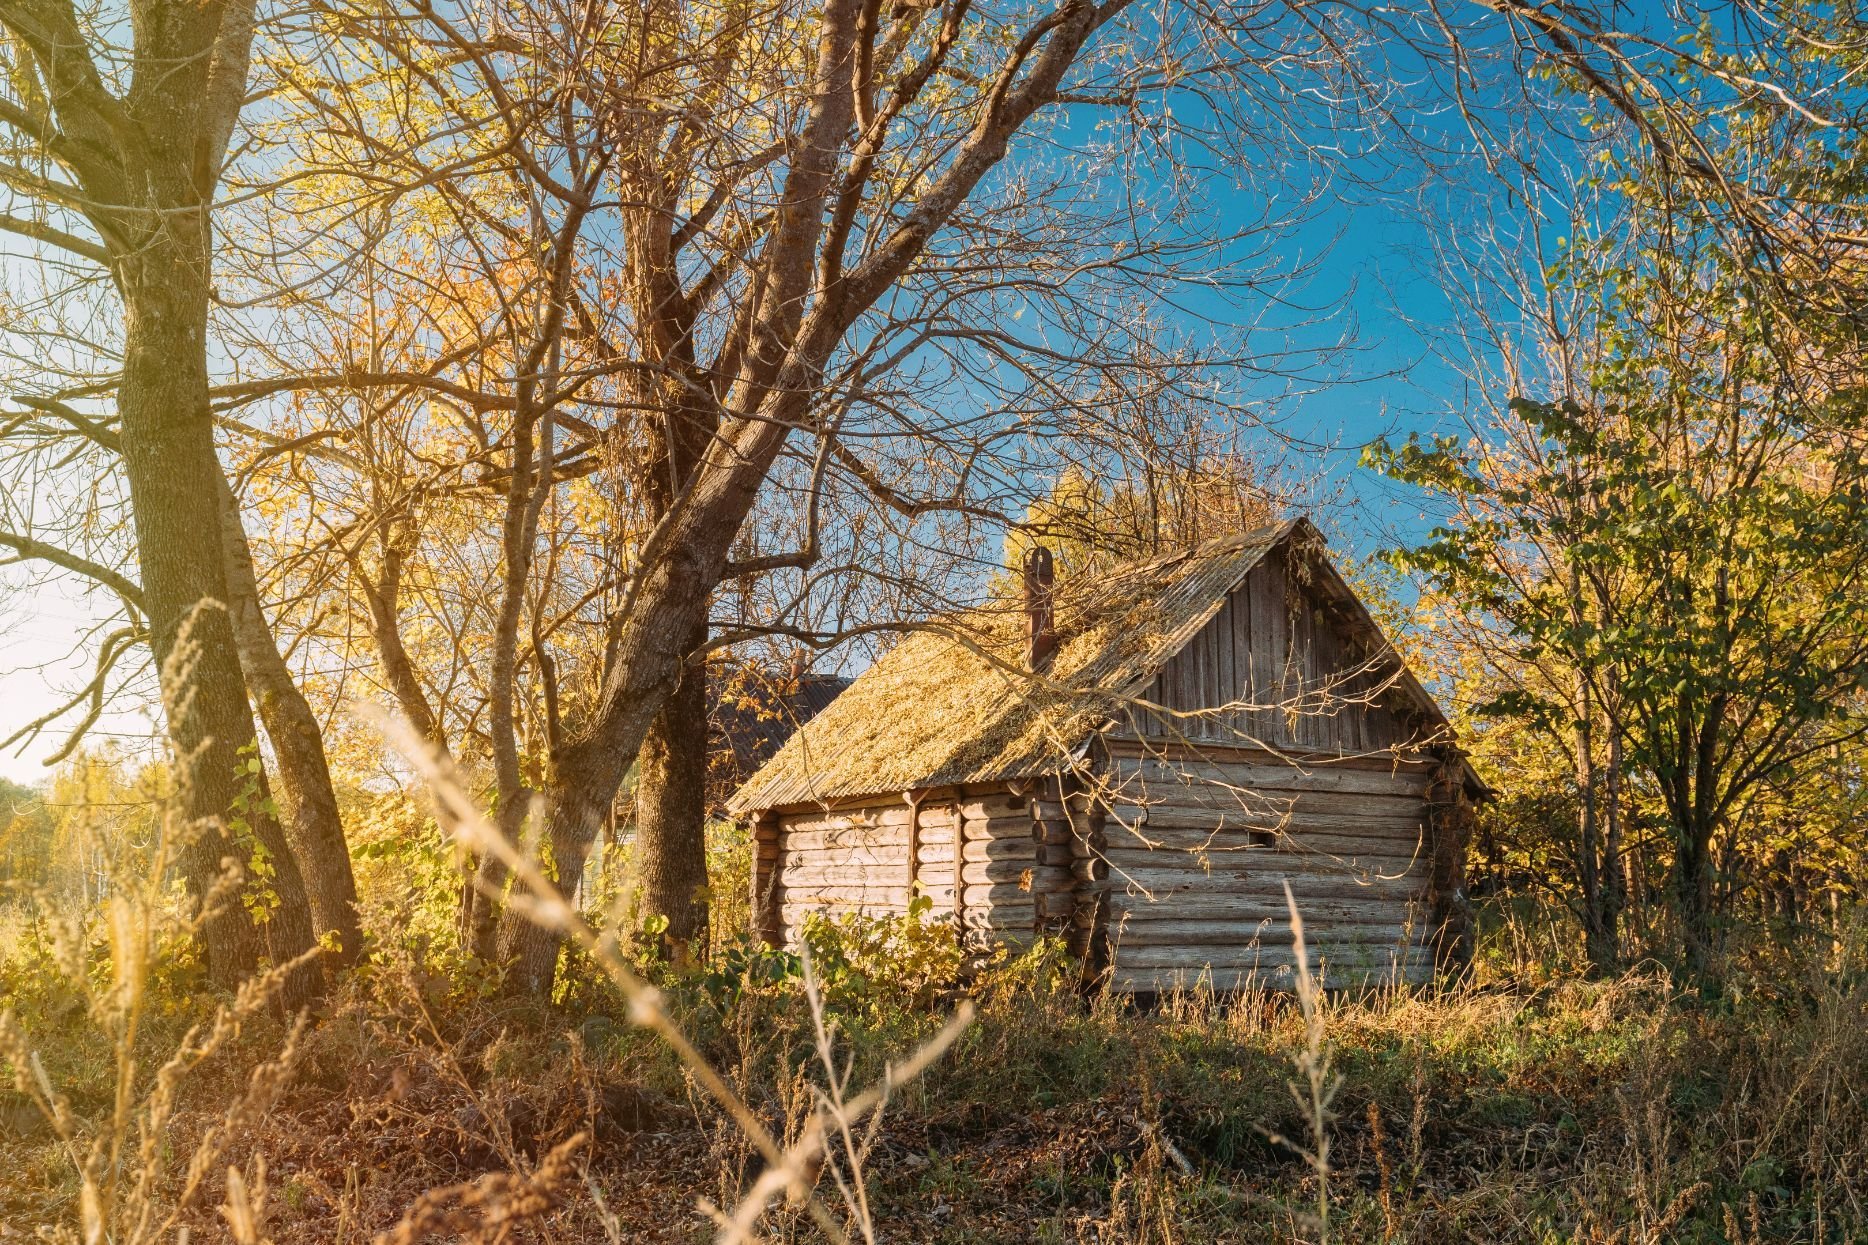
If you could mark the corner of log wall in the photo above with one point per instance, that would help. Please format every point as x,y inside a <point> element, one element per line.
<point>767,922</point>
<point>1451,817</point>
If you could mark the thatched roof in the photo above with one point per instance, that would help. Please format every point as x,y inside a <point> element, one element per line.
<point>952,704</point>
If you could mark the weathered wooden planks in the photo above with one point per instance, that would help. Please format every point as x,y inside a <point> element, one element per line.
<point>1200,849</point>
<point>1252,907</point>
<point>890,856</point>
<point>1128,802</point>
<point>1263,977</point>
<point>1375,823</point>
<point>1263,873</point>
<point>1008,848</point>
<point>857,858</point>
<point>1267,931</point>
<point>1344,957</point>
<point>1276,666</point>
<point>1128,747</point>
<point>1191,774</point>
<point>1248,910</point>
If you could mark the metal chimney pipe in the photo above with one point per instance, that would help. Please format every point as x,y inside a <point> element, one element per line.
<point>1040,615</point>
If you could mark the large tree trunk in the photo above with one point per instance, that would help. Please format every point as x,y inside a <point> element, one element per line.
<point>671,817</point>
<point>146,137</point>
<point>313,826</point>
<point>1692,889</point>
<point>175,481</point>
<point>651,653</point>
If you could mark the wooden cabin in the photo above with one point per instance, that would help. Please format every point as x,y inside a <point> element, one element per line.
<point>1139,762</point>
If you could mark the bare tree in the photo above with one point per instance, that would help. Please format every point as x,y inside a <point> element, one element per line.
<point>118,125</point>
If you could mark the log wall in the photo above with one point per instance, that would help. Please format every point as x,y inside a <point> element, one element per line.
<point>974,855</point>
<point>1287,755</point>
<point>1198,853</point>
<point>1164,871</point>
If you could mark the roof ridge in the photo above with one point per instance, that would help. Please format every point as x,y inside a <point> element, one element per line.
<point>1263,534</point>
<point>1262,537</point>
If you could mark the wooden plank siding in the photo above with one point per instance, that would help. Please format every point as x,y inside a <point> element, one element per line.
<point>1273,669</point>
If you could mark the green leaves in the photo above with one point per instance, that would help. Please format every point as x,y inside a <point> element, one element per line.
<point>747,965</point>
<point>1523,705</point>
<point>1433,462</point>
<point>1675,546</point>
<point>260,896</point>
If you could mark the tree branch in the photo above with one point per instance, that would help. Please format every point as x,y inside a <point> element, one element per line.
<point>115,645</point>
<point>88,428</point>
<point>38,550</point>
<point>40,232</point>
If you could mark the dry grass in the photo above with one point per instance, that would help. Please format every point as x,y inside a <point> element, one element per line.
<point>1531,1109</point>
<point>129,1182</point>
<point>121,1163</point>
<point>1616,1112</point>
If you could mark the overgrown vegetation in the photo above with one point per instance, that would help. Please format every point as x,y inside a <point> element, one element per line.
<point>1527,1105</point>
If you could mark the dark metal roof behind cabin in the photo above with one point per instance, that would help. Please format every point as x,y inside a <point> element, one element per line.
<point>755,717</point>
<point>952,704</point>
